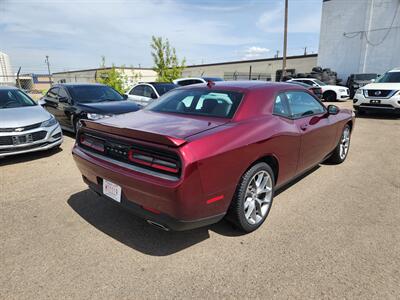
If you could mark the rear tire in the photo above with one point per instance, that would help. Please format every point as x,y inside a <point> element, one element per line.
<point>342,149</point>
<point>253,198</point>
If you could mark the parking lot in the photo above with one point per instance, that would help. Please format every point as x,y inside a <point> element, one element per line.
<point>332,234</point>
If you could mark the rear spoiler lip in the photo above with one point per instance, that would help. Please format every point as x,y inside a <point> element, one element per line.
<point>135,134</point>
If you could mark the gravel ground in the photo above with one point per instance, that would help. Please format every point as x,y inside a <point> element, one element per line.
<point>333,234</point>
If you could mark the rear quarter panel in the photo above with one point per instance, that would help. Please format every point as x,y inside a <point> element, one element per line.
<point>224,154</point>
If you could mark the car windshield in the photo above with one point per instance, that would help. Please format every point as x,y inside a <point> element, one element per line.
<point>201,102</point>
<point>389,77</point>
<point>14,98</point>
<point>94,93</point>
<point>364,76</point>
<point>162,88</point>
<point>320,82</point>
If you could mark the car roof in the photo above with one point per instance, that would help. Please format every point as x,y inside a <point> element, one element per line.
<point>244,85</point>
<point>303,78</point>
<point>78,84</point>
<point>8,87</point>
<point>395,70</point>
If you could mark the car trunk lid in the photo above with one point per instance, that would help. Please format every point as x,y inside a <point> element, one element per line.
<point>162,128</point>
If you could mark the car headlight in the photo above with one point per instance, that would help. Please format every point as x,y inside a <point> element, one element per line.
<point>50,122</point>
<point>93,116</point>
<point>359,92</point>
<point>342,90</point>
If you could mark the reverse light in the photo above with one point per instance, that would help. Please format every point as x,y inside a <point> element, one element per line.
<point>93,143</point>
<point>149,160</point>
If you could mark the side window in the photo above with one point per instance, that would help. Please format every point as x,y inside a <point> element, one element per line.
<point>189,82</point>
<point>62,93</point>
<point>147,91</point>
<point>137,90</point>
<point>303,104</point>
<point>281,107</point>
<point>53,94</point>
<point>309,82</point>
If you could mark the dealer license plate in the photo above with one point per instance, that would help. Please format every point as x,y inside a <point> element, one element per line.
<point>112,190</point>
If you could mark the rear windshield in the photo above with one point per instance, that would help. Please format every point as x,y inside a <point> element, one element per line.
<point>162,88</point>
<point>14,98</point>
<point>201,102</point>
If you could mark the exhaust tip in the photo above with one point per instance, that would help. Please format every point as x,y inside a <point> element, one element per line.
<point>158,225</point>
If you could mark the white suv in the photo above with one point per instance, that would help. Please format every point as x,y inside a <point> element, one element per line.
<point>382,95</point>
<point>329,92</point>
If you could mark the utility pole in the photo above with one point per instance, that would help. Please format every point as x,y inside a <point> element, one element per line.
<point>305,51</point>
<point>285,41</point>
<point>48,68</point>
<point>18,81</point>
<point>277,54</point>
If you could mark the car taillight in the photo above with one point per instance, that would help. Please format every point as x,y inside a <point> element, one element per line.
<point>149,160</point>
<point>93,143</point>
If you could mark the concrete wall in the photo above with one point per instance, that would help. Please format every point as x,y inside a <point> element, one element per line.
<point>6,74</point>
<point>353,38</point>
<point>263,69</point>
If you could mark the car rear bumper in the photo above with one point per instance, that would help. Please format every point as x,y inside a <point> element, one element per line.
<point>160,220</point>
<point>175,205</point>
<point>52,138</point>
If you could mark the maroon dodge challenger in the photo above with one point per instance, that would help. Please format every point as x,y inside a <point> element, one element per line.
<point>208,151</point>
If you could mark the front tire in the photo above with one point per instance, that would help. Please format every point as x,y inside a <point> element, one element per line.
<point>253,198</point>
<point>342,149</point>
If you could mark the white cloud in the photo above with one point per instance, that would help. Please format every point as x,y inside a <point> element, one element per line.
<point>255,52</point>
<point>272,21</point>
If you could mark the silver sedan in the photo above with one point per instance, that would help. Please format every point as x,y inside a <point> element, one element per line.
<point>24,125</point>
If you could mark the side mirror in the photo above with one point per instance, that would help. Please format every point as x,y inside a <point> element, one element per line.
<point>373,80</point>
<point>153,96</point>
<point>333,109</point>
<point>125,96</point>
<point>63,100</point>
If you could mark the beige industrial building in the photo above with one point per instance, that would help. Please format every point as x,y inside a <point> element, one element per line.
<point>131,75</point>
<point>268,69</point>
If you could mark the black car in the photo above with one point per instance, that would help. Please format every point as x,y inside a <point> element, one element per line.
<point>356,81</point>
<point>70,103</point>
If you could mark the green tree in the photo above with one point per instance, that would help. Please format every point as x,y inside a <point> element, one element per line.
<point>111,77</point>
<point>166,63</point>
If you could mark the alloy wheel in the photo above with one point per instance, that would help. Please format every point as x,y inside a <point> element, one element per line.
<point>258,197</point>
<point>345,143</point>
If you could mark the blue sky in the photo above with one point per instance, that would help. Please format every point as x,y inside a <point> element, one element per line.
<point>76,33</point>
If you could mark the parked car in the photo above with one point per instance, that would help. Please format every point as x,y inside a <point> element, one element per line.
<point>356,81</point>
<point>188,159</point>
<point>24,125</point>
<point>145,93</point>
<point>382,95</point>
<point>317,91</point>
<point>72,102</point>
<point>329,92</point>
<point>195,80</point>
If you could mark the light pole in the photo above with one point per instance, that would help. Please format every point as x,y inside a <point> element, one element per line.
<point>48,68</point>
<point>285,41</point>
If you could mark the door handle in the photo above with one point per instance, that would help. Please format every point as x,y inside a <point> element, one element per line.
<point>304,127</point>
